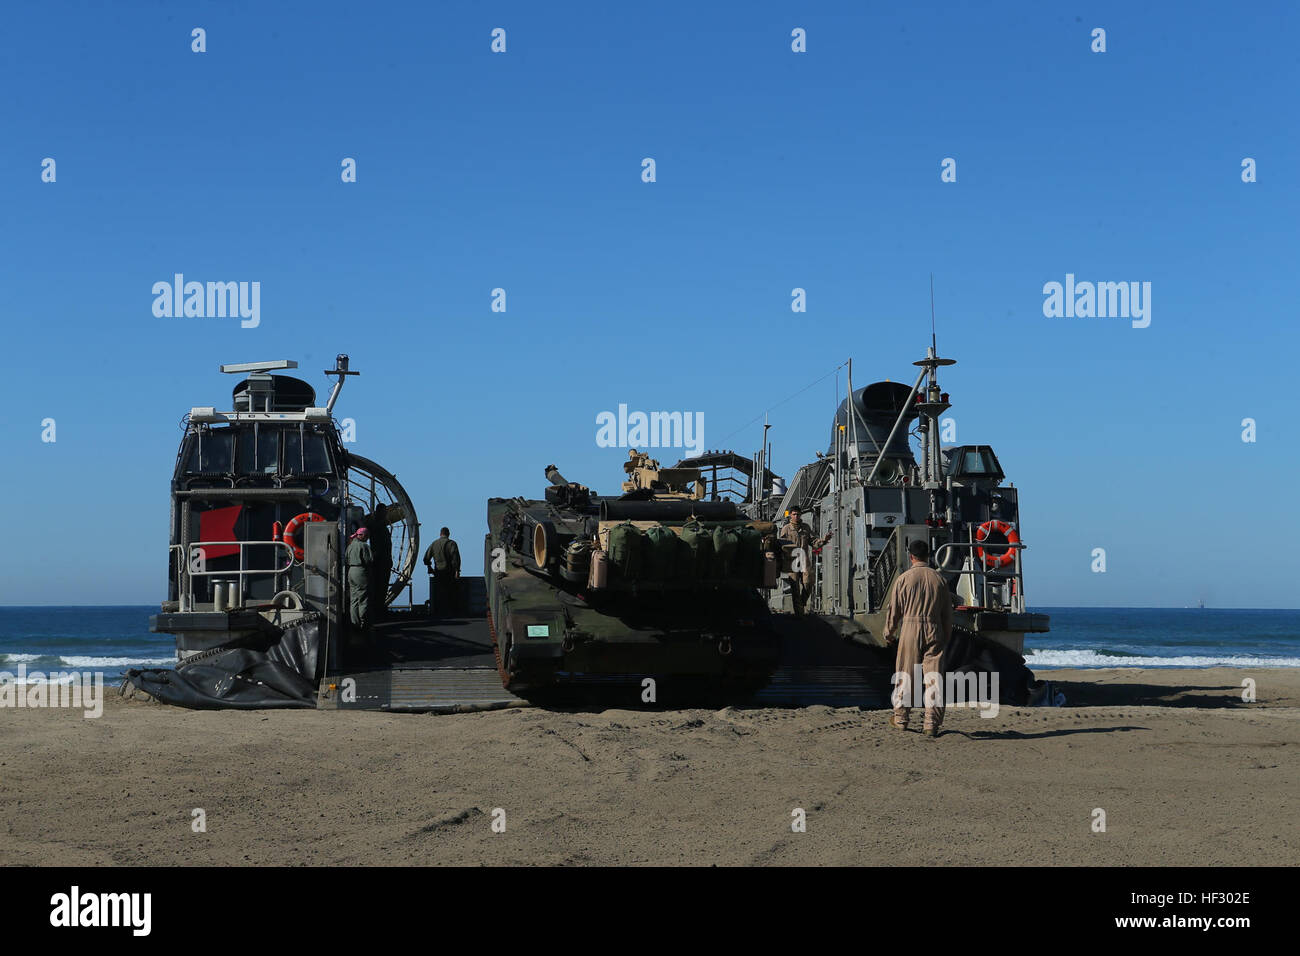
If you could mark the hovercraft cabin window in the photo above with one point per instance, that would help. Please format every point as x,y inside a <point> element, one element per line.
<point>973,461</point>
<point>305,452</point>
<point>212,453</point>
<point>259,450</point>
<point>256,451</point>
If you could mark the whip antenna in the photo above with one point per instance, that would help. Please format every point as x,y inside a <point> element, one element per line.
<point>933,342</point>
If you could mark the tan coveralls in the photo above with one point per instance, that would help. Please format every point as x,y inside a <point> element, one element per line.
<point>921,604</point>
<point>800,581</point>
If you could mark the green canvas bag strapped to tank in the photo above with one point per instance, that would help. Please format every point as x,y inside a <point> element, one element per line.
<point>749,562</point>
<point>726,545</point>
<point>699,541</point>
<point>661,554</point>
<point>627,549</point>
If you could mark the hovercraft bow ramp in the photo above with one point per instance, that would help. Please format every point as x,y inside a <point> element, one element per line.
<point>420,663</point>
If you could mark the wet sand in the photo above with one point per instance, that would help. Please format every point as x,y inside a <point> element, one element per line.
<point>1185,771</point>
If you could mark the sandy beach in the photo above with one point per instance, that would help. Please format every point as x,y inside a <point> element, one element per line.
<point>1185,771</point>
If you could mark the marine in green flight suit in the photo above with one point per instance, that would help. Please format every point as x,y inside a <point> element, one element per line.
<point>443,561</point>
<point>360,563</point>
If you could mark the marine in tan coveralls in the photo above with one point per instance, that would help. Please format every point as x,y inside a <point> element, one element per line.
<point>921,604</point>
<point>799,535</point>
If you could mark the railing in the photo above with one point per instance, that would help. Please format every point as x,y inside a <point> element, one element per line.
<point>811,482</point>
<point>195,566</point>
<point>1015,575</point>
<point>731,484</point>
<point>882,571</point>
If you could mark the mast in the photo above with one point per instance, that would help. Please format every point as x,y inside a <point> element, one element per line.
<point>933,404</point>
<point>934,345</point>
<point>853,428</point>
<point>341,370</point>
<point>902,414</point>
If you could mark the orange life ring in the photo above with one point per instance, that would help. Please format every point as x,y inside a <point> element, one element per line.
<point>1006,557</point>
<point>293,525</point>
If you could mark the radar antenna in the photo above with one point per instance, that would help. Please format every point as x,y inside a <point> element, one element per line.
<point>258,368</point>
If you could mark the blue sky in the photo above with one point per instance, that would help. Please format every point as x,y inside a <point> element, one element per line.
<point>775,170</point>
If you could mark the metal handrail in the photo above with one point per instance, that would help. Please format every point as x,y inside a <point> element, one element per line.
<point>881,571</point>
<point>1016,574</point>
<point>243,570</point>
<point>180,567</point>
<point>730,485</point>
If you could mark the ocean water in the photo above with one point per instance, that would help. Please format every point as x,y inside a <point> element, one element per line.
<point>1165,637</point>
<point>112,639</point>
<point>107,640</point>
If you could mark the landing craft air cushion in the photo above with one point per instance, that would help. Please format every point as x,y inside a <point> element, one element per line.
<point>873,496</point>
<point>263,499</point>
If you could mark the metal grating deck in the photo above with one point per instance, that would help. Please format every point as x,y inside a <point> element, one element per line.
<point>442,689</point>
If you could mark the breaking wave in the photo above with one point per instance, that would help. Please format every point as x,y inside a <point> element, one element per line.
<point>1080,658</point>
<point>48,662</point>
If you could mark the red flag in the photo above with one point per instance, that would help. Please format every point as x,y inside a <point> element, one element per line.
<point>219,525</point>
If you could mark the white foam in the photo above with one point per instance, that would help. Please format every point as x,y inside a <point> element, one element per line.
<point>1080,658</point>
<point>66,679</point>
<point>11,662</point>
<point>93,663</point>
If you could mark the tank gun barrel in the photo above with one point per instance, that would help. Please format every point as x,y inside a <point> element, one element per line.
<point>554,477</point>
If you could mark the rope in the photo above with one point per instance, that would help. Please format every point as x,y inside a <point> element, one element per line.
<point>786,399</point>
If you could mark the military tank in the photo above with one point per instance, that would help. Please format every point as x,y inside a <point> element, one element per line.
<point>653,582</point>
